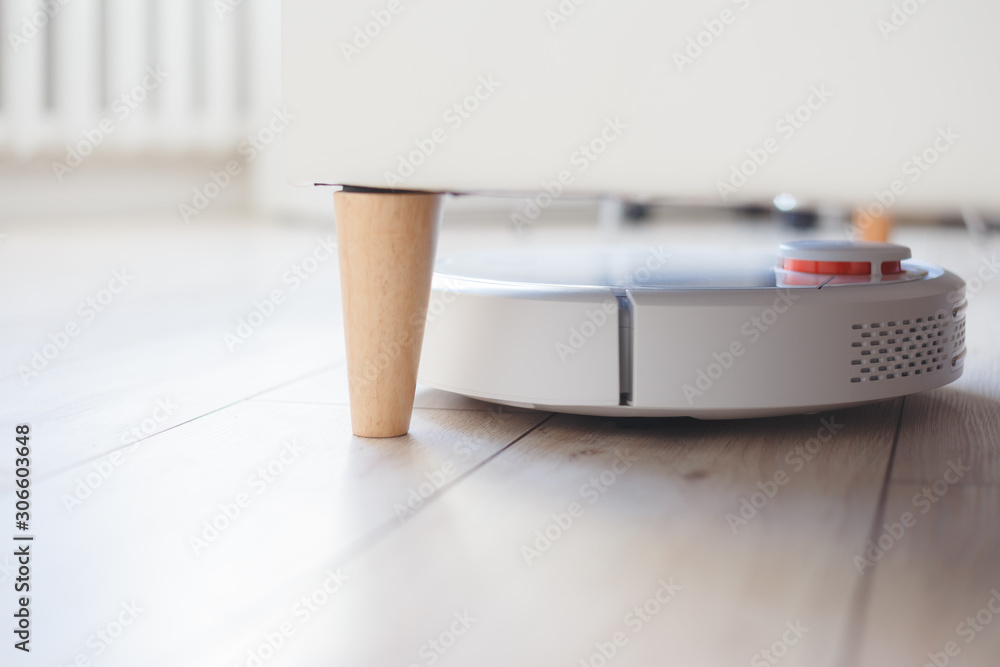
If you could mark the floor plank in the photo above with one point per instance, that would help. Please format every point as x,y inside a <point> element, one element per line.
<point>664,518</point>
<point>934,575</point>
<point>278,511</point>
<point>161,341</point>
<point>946,425</point>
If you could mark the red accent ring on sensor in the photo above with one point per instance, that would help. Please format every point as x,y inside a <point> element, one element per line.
<point>828,268</point>
<point>838,268</point>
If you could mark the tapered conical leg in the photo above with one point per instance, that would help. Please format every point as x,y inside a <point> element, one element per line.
<point>386,245</point>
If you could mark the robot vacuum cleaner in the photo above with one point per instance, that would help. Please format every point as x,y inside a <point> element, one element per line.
<point>663,331</point>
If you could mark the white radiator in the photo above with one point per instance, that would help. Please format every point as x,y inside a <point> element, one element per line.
<point>128,77</point>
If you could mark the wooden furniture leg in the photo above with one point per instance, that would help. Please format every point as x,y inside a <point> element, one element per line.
<point>386,244</point>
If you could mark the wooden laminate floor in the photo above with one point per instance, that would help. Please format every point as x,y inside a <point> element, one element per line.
<point>200,501</point>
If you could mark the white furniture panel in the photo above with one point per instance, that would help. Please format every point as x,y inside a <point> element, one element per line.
<point>612,76</point>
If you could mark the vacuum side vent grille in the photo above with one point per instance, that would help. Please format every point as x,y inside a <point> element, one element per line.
<point>958,336</point>
<point>896,349</point>
<point>958,339</point>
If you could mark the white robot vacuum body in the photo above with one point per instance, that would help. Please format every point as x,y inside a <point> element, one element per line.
<point>659,331</point>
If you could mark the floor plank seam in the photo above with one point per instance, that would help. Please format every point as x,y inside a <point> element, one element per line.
<point>859,605</point>
<point>444,489</point>
<point>59,471</point>
<point>352,551</point>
